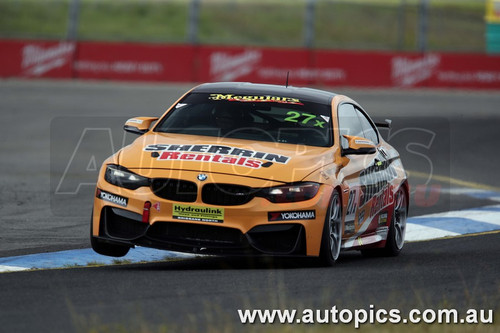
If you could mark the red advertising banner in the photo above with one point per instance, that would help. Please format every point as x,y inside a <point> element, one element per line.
<point>263,65</point>
<point>128,61</point>
<point>445,70</point>
<point>361,69</point>
<point>465,71</point>
<point>187,63</point>
<point>32,59</point>
<point>271,65</point>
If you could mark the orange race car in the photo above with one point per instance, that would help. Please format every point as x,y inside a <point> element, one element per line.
<point>241,168</point>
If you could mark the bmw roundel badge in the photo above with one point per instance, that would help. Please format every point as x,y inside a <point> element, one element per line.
<point>201,177</point>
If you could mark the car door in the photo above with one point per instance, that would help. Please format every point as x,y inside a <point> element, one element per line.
<point>356,173</point>
<point>376,180</point>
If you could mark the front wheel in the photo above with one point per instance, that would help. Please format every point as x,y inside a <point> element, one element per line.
<point>106,249</point>
<point>331,239</point>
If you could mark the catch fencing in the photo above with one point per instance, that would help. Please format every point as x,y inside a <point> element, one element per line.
<point>391,25</point>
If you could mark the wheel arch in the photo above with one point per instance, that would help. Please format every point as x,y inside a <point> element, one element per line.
<point>406,186</point>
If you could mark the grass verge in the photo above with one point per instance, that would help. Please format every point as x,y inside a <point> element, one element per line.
<point>360,24</point>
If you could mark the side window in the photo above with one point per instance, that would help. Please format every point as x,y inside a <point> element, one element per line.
<point>349,123</point>
<point>369,132</point>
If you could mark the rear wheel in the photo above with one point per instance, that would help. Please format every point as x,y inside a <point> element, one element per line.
<point>397,230</point>
<point>331,240</point>
<point>106,249</point>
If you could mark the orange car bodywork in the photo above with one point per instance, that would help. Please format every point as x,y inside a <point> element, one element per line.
<point>368,219</point>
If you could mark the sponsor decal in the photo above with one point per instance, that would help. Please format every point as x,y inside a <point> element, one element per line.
<point>461,77</point>
<point>349,227</point>
<point>363,142</point>
<point>134,121</point>
<point>113,198</point>
<point>39,60</point>
<point>382,200</point>
<point>352,203</point>
<point>407,72</point>
<point>326,118</point>
<point>119,67</point>
<point>382,219</point>
<point>254,98</point>
<point>215,154</point>
<point>228,67</point>
<point>197,213</point>
<point>376,178</point>
<point>294,116</point>
<point>291,216</point>
<point>304,74</point>
<point>157,206</point>
<point>361,216</point>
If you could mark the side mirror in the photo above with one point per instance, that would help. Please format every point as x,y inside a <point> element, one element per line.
<point>385,124</point>
<point>358,146</point>
<point>139,125</point>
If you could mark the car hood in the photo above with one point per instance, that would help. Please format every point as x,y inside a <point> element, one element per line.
<point>265,160</point>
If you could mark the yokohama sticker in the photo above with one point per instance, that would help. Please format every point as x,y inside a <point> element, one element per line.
<point>291,216</point>
<point>113,198</point>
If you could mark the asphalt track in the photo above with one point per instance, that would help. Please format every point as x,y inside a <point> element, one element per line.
<point>449,143</point>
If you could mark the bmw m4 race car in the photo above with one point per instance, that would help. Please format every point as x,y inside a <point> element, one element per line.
<point>241,168</point>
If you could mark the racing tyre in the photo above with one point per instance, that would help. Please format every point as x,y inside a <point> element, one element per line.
<point>397,230</point>
<point>331,239</point>
<point>106,249</point>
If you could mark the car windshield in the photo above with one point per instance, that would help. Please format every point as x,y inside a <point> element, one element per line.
<point>251,117</point>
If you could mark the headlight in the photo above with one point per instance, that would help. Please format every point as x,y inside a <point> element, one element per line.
<point>290,193</point>
<point>120,176</point>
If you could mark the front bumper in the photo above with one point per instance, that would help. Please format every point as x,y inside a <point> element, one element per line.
<point>249,228</point>
<point>121,227</point>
